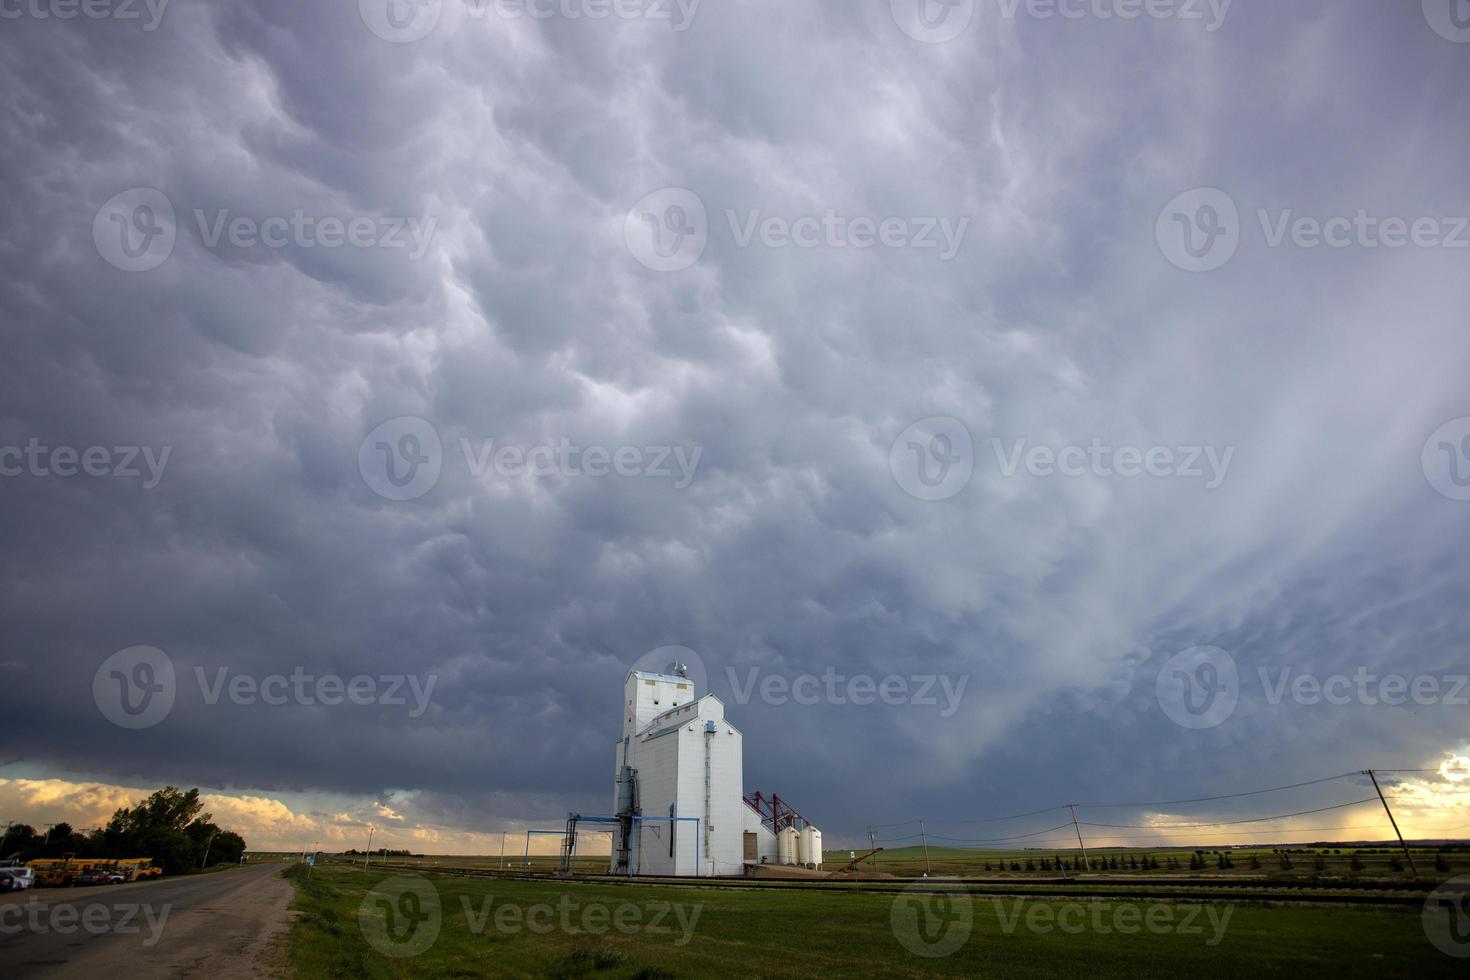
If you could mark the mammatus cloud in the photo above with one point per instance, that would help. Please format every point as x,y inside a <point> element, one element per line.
<point>258,237</point>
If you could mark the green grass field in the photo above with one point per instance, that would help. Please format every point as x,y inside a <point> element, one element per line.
<point>1307,862</point>
<point>352,925</point>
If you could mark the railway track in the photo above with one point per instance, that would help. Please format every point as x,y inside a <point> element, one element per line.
<point>1408,894</point>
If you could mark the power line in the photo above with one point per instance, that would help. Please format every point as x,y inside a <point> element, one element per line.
<point>992,840</point>
<point>1229,823</point>
<point>1016,816</point>
<point>1227,796</point>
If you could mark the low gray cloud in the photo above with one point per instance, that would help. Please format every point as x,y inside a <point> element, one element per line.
<point>1060,320</point>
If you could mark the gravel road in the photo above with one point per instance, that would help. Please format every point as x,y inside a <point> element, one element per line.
<point>227,925</point>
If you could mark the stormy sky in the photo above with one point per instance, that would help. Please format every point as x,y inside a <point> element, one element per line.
<point>480,350</point>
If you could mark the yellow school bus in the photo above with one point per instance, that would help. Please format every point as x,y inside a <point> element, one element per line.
<point>59,872</point>
<point>137,869</point>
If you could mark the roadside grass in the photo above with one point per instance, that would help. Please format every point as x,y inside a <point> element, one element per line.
<point>1309,862</point>
<point>508,928</point>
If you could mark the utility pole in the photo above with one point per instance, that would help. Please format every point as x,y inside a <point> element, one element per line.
<point>925,841</point>
<point>368,856</point>
<point>1077,827</point>
<point>502,850</point>
<point>205,860</point>
<point>1384,801</point>
<point>872,846</point>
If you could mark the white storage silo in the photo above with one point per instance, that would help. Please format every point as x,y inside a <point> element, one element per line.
<point>786,843</point>
<point>809,848</point>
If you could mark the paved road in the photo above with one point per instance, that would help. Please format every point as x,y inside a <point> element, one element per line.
<point>227,925</point>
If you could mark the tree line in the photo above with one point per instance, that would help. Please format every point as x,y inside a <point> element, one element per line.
<point>170,826</point>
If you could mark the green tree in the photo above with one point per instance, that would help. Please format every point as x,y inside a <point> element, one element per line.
<point>17,841</point>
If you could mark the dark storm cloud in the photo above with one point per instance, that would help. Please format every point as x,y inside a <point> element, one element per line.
<point>794,550</point>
